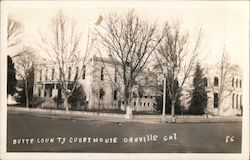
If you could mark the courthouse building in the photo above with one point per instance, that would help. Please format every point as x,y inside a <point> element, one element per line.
<point>102,84</point>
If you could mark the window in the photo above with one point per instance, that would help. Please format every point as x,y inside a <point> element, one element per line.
<point>83,72</point>
<point>205,81</point>
<point>50,92</point>
<point>216,100</point>
<point>46,74</point>
<point>115,75</point>
<point>236,83</point>
<point>77,71</point>
<point>101,93</point>
<point>140,103</point>
<point>148,104</point>
<point>216,81</point>
<point>134,103</point>
<point>115,95</point>
<point>134,95</point>
<point>41,75</point>
<point>240,83</point>
<point>144,103</point>
<point>233,101</point>
<point>52,74</point>
<point>102,73</point>
<point>233,82</point>
<point>69,74</point>
<point>123,102</point>
<point>237,101</point>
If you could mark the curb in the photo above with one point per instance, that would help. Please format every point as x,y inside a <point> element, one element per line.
<point>112,117</point>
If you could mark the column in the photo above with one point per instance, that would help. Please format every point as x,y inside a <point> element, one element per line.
<point>54,91</point>
<point>43,90</point>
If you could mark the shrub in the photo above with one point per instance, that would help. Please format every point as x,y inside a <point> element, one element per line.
<point>78,99</point>
<point>36,101</point>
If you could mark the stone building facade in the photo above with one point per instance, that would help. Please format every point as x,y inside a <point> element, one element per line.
<point>102,85</point>
<point>231,98</point>
<point>230,103</point>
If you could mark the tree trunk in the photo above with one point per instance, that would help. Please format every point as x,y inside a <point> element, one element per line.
<point>126,97</point>
<point>26,94</point>
<point>173,110</point>
<point>66,105</point>
<point>137,103</point>
<point>32,101</point>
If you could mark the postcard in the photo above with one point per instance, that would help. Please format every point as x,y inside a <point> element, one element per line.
<point>124,80</point>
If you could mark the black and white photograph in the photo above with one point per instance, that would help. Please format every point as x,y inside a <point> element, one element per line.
<point>125,80</point>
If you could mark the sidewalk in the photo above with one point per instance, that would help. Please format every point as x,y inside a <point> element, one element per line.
<point>113,117</point>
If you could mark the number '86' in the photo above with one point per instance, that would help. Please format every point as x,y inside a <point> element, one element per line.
<point>229,139</point>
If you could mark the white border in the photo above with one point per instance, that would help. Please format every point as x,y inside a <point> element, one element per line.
<point>3,93</point>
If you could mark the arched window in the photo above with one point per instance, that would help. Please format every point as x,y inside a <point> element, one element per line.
<point>115,95</point>
<point>237,101</point>
<point>101,93</point>
<point>233,101</point>
<point>216,81</point>
<point>233,82</point>
<point>53,74</point>
<point>205,81</point>
<point>236,83</point>
<point>216,100</point>
<point>102,73</point>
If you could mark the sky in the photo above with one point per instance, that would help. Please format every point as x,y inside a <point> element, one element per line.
<point>224,24</point>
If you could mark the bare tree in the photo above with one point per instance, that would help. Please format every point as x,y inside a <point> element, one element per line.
<point>130,41</point>
<point>62,45</point>
<point>14,29</point>
<point>25,62</point>
<point>225,71</point>
<point>176,59</point>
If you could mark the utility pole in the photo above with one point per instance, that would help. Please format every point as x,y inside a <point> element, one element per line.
<point>163,119</point>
